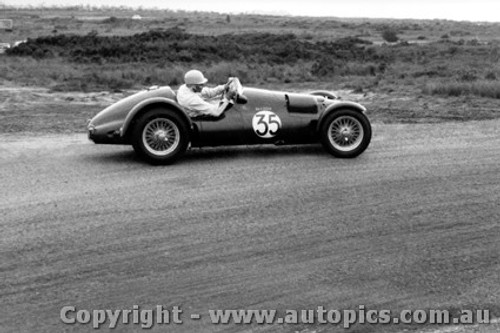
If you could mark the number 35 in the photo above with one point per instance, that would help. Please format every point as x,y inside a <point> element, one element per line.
<point>266,124</point>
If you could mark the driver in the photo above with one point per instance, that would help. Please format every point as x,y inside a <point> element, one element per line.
<point>193,95</point>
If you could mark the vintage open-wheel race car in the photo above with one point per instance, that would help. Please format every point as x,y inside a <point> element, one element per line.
<point>161,131</point>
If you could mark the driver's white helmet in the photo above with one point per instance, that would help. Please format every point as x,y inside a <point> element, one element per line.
<point>194,77</point>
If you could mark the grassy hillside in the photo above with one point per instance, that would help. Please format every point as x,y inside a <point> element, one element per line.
<point>451,67</point>
<point>107,48</point>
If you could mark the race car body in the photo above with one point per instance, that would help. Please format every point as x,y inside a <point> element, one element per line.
<point>160,130</point>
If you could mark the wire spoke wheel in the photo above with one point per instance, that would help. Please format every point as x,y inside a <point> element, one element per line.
<point>345,133</point>
<point>161,136</point>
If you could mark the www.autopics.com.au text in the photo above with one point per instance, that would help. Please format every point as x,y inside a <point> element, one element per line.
<point>161,315</point>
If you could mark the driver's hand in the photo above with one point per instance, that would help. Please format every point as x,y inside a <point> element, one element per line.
<point>229,80</point>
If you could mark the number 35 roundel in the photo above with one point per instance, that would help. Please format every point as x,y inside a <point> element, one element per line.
<point>266,124</point>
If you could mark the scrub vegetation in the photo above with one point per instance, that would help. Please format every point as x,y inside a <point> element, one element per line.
<point>85,48</point>
<point>400,68</point>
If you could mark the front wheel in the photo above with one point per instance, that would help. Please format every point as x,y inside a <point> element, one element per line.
<point>345,133</point>
<point>160,136</point>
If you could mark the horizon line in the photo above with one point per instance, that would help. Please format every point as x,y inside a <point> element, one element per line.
<point>259,13</point>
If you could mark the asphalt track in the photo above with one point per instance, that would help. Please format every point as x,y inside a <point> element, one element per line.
<point>413,223</point>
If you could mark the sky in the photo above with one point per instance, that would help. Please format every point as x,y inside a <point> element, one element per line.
<point>460,10</point>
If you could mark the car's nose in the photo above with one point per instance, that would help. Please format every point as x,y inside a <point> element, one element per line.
<point>90,128</point>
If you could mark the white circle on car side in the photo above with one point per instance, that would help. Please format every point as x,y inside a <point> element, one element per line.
<point>266,124</point>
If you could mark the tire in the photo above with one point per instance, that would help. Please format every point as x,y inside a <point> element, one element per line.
<point>345,133</point>
<point>160,136</point>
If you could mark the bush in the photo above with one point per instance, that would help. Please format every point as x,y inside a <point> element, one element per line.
<point>326,67</point>
<point>468,75</point>
<point>390,35</point>
<point>491,76</point>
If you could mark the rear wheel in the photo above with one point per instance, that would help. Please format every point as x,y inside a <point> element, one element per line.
<point>346,133</point>
<point>160,136</point>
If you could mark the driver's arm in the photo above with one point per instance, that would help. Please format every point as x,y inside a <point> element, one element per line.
<point>197,106</point>
<point>208,93</point>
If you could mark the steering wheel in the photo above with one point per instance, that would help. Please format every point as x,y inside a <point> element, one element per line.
<point>234,91</point>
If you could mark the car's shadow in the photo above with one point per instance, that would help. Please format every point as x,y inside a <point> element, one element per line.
<point>112,157</point>
<point>214,153</point>
<point>200,154</point>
